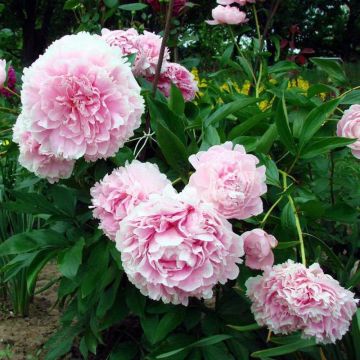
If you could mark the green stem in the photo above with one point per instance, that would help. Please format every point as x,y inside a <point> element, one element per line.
<point>12,92</point>
<point>257,23</point>
<point>8,110</point>
<point>263,221</point>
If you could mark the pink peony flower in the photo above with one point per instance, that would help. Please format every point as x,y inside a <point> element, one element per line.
<point>230,15</point>
<point>123,39</point>
<point>240,2</point>
<point>229,179</point>
<point>146,47</point>
<point>178,6</point>
<point>2,72</point>
<point>258,247</point>
<point>180,77</point>
<point>349,127</point>
<point>118,193</point>
<point>44,165</point>
<point>174,247</point>
<point>81,99</point>
<point>290,297</point>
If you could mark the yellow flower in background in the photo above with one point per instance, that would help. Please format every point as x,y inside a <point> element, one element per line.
<point>299,83</point>
<point>225,87</point>
<point>245,88</point>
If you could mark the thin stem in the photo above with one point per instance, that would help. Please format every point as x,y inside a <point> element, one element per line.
<point>12,91</point>
<point>241,53</point>
<point>163,46</point>
<point>176,181</point>
<point>257,23</point>
<point>332,169</point>
<point>258,82</point>
<point>263,221</point>
<point>8,110</point>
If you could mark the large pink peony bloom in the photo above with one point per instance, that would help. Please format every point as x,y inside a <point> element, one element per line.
<point>44,165</point>
<point>349,127</point>
<point>118,193</point>
<point>181,78</point>
<point>2,72</point>
<point>81,98</point>
<point>230,15</point>
<point>146,47</point>
<point>258,247</point>
<point>290,297</point>
<point>174,247</point>
<point>178,5</point>
<point>229,179</point>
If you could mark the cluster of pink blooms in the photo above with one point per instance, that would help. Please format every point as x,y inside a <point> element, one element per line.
<point>227,13</point>
<point>146,49</point>
<point>175,246</point>
<point>349,127</point>
<point>79,99</point>
<point>290,297</point>
<point>8,77</point>
<point>177,7</point>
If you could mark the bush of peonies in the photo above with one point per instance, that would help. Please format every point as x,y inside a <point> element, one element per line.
<point>81,101</point>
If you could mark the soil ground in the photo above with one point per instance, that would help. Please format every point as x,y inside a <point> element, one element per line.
<point>24,337</point>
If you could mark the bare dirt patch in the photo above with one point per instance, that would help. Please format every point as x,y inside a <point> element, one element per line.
<point>24,337</point>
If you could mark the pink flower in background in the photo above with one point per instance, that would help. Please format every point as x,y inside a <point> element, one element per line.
<point>118,193</point>
<point>290,297</point>
<point>174,247</point>
<point>258,247</point>
<point>9,78</point>
<point>42,164</point>
<point>230,2</point>
<point>178,5</point>
<point>230,15</point>
<point>123,39</point>
<point>81,99</point>
<point>2,72</point>
<point>148,45</point>
<point>229,179</point>
<point>349,127</point>
<point>181,78</point>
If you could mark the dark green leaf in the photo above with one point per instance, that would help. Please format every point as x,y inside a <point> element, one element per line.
<point>176,101</point>
<point>133,7</point>
<point>321,145</point>
<point>168,323</point>
<point>70,260</point>
<point>333,68</point>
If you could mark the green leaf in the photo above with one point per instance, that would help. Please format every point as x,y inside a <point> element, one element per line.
<point>211,137</point>
<point>288,218</point>
<point>341,212</point>
<point>247,125</point>
<point>70,260</point>
<point>245,328</point>
<point>351,98</point>
<point>228,109</point>
<point>283,127</point>
<point>285,349</point>
<point>211,340</point>
<point>176,100</point>
<point>354,280</point>
<point>174,151</point>
<point>321,88</point>
<point>71,4</point>
<point>333,68</point>
<point>316,119</point>
<point>266,141</point>
<point>286,245</point>
<point>32,240</point>
<point>272,172</point>
<point>133,7</point>
<point>135,301</point>
<point>168,323</point>
<point>320,145</point>
<point>124,351</point>
<point>355,331</point>
<point>111,3</point>
<point>282,66</point>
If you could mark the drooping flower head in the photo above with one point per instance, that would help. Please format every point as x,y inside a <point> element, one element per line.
<point>349,127</point>
<point>174,247</point>
<point>240,2</point>
<point>230,180</point>
<point>181,78</point>
<point>229,15</point>
<point>81,99</point>
<point>118,193</point>
<point>258,247</point>
<point>290,297</point>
